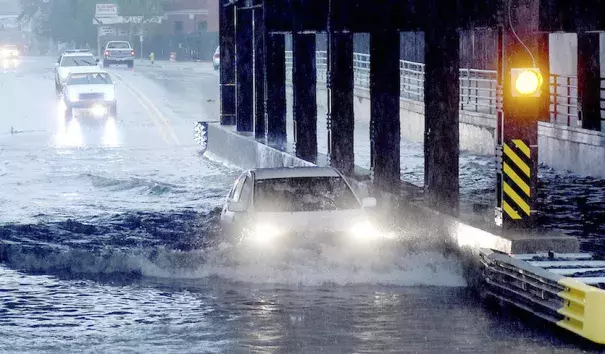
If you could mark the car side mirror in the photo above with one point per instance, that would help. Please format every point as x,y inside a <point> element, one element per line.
<point>369,202</point>
<point>97,60</point>
<point>236,207</point>
<point>56,64</point>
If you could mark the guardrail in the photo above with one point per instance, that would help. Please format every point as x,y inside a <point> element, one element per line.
<point>564,289</point>
<point>478,88</point>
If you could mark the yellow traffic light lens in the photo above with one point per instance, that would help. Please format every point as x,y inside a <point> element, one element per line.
<point>528,82</point>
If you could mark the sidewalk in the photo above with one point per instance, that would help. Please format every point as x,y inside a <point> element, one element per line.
<point>195,66</point>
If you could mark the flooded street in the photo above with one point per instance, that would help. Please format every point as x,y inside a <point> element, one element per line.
<point>108,243</point>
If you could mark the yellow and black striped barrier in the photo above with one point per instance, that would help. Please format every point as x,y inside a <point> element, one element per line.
<point>516,184</point>
<point>564,289</point>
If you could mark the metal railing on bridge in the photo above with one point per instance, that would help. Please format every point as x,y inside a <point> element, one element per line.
<point>478,88</point>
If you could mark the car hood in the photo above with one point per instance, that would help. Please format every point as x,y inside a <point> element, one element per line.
<point>313,222</point>
<point>80,89</point>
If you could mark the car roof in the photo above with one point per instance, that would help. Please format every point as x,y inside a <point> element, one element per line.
<point>294,172</point>
<point>10,45</point>
<point>78,54</point>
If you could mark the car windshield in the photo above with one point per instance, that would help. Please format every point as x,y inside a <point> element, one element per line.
<point>118,45</point>
<point>85,60</point>
<point>303,194</point>
<point>89,79</point>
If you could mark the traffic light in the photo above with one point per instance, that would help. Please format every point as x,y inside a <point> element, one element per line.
<point>526,82</point>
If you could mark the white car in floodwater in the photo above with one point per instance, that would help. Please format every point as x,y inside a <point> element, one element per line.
<point>288,206</point>
<point>91,91</point>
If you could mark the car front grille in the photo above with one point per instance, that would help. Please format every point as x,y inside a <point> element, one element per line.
<point>92,96</point>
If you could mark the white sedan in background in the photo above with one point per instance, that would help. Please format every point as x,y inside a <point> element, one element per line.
<point>289,206</point>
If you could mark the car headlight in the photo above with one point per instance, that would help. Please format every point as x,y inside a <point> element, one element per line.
<point>265,233</point>
<point>73,96</point>
<point>110,96</point>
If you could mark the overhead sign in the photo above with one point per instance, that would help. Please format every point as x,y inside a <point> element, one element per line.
<point>107,31</point>
<point>106,10</point>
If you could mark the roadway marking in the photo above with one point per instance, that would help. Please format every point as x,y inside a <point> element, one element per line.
<point>515,177</point>
<point>517,160</point>
<point>157,117</point>
<point>516,185</point>
<point>522,146</point>
<point>520,202</point>
<point>510,211</point>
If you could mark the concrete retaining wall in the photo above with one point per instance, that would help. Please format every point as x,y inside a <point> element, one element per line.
<point>245,152</point>
<point>572,149</point>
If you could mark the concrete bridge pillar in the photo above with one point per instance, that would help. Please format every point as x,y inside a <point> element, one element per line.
<point>260,126</point>
<point>441,127</point>
<point>589,80</point>
<point>341,122</point>
<point>244,70</point>
<point>276,90</point>
<point>384,108</point>
<point>304,89</point>
<point>227,68</point>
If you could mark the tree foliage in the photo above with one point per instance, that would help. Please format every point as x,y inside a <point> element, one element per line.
<point>72,20</point>
<point>61,20</point>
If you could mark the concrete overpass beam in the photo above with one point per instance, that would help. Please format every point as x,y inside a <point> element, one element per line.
<point>304,88</point>
<point>276,90</point>
<point>589,80</point>
<point>384,108</point>
<point>227,68</point>
<point>341,123</point>
<point>441,132</point>
<point>244,70</point>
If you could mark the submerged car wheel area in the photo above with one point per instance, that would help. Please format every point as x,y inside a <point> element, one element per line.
<point>295,206</point>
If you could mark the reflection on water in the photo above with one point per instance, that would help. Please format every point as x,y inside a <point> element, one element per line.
<point>110,134</point>
<point>80,132</point>
<point>10,64</point>
<point>69,134</point>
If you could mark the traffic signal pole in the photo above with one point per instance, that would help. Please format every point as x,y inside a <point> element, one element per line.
<point>524,92</point>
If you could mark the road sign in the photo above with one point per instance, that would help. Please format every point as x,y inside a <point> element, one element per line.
<point>141,38</point>
<point>106,10</point>
<point>107,31</point>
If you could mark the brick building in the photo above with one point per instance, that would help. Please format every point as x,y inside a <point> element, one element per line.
<point>189,16</point>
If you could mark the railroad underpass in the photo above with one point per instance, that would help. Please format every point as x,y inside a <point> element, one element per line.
<point>384,118</point>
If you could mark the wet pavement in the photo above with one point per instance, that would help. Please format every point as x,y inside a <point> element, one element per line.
<point>108,243</point>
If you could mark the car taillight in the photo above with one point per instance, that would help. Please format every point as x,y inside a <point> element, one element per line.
<point>217,55</point>
<point>132,53</point>
<point>106,53</point>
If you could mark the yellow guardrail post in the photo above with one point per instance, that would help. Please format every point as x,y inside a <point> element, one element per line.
<point>584,310</point>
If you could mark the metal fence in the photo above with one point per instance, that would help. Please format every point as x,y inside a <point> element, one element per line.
<point>478,88</point>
